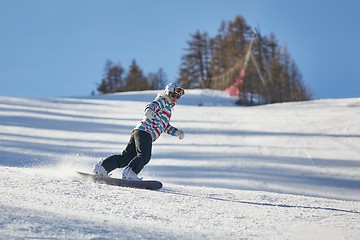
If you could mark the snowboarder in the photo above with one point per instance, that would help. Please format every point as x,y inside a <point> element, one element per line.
<point>138,151</point>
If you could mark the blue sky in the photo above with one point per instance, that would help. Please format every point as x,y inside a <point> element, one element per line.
<point>56,48</point>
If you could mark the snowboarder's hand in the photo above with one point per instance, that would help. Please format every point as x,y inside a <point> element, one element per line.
<point>149,114</point>
<point>179,134</point>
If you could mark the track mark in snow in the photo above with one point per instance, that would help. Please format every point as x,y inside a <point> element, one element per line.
<point>264,204</point>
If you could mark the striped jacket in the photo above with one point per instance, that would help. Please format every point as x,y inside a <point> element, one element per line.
<point>161,106</point>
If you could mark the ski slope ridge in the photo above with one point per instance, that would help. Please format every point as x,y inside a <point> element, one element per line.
<point>283,171</point>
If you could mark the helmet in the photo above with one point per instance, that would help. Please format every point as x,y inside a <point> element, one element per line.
<point>174,89</point>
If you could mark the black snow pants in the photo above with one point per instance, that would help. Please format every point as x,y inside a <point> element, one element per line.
<point>136,154</point>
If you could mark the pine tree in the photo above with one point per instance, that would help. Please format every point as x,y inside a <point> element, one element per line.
<point>195,66</point>
<point>229,50</point>
<point>112,80</point>
<point>135,79</point>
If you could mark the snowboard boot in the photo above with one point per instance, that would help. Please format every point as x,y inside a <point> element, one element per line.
<point>129,174</point>
<point>100,170</point>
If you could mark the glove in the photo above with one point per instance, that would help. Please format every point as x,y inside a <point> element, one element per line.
<point>149,114</point>
<point>179,134</point>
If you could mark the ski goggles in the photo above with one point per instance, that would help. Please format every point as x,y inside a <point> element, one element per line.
<point>178,92</point>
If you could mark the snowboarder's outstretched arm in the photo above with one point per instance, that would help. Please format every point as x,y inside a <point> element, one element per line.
<point>173,131</point>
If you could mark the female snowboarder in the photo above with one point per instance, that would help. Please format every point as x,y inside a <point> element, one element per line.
<point>138,151</point>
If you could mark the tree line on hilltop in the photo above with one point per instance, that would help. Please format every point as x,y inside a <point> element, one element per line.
<point>115,79</point>
<point>258,68</point>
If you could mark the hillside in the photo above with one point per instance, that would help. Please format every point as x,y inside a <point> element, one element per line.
<point>283,171</point>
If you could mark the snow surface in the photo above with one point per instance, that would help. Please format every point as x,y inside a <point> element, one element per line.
<point>282,171</point>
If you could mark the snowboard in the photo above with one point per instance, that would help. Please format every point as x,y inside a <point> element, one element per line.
<point>147,184</point>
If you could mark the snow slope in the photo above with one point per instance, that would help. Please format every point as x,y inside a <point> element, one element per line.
<point>282,171</point>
